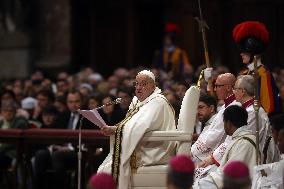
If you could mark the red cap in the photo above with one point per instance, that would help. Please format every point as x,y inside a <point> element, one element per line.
<point>172,28</point>
<point>251,29</point>
<point>102,181</point>
<point>236,170</point>
<point>182,164</point>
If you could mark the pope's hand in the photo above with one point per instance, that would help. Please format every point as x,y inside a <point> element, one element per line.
<point>207,73</point>
<point>108,130</point>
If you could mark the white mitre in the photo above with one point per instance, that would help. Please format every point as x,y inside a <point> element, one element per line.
<point>148,73</point>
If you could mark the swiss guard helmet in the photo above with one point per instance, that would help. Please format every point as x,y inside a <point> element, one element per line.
<point>172,30</point>
<point>251,37</point>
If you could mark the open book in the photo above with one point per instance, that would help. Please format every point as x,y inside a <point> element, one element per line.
<point>93,116</point>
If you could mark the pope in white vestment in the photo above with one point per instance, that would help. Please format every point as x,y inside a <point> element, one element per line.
<point>152,113</point>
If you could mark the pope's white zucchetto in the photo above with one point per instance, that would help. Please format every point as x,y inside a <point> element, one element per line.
<point>147,73</point>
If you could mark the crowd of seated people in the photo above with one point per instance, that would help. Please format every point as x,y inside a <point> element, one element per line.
<point>42,102</point>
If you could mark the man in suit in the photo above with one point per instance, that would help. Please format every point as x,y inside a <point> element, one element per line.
<point>61,158</point>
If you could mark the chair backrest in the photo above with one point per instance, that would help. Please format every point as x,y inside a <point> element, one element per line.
<point>187,117</point>
<point>186,123</point>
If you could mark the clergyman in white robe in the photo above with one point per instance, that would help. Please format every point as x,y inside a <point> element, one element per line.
<point>239,149</point>
<point>273,178</point>
<point>264,133</point>
<point>213,136</point>
<point>152,114</point>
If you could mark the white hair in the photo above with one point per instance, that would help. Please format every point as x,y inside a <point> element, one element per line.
<point>247,83</point>
<point>147,73</point>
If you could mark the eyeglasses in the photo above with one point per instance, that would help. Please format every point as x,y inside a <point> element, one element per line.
<point>141,84</point>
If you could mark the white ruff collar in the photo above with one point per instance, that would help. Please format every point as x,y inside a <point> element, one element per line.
<point>251,65</point>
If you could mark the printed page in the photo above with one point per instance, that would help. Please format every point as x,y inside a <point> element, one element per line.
<point>93,116</point>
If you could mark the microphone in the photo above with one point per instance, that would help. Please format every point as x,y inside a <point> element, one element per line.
<point>116,101</point>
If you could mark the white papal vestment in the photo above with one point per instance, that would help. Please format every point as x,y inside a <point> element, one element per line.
<point>152,114</point>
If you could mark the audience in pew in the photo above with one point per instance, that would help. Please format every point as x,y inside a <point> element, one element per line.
<point>9,121</point>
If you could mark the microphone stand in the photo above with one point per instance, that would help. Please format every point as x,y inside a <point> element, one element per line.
<point>80,153</point>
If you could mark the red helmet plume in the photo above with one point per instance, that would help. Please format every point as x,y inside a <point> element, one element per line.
<point>172,28</point>
<point>251,29</point>
<point>251,36</point>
